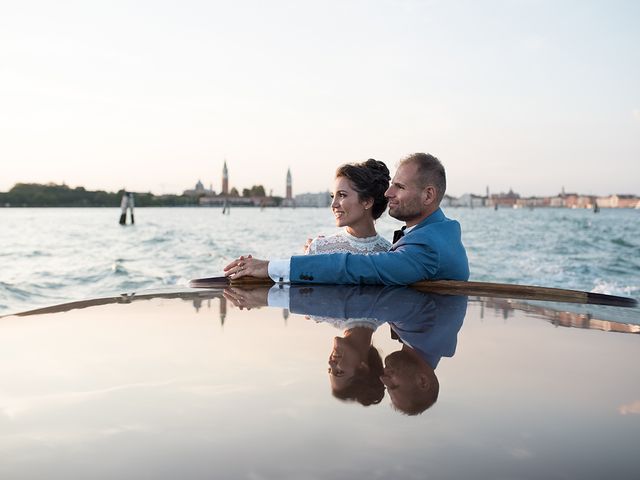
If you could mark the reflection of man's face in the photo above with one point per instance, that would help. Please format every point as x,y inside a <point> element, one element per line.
<point>411,383</point>
<point>399,377</point>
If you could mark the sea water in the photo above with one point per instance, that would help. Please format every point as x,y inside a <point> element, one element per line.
<point>56,255</point>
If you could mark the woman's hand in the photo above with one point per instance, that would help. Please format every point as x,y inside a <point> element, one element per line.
<point>247,267</point>
<point>308,244</point>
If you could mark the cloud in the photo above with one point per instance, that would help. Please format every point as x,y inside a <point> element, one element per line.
<point>631,408</point>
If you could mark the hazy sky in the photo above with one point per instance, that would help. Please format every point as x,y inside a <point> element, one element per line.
<point>154,95</point>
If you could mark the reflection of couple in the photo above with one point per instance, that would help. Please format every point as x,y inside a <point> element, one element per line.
<point>429,246</point>
<point>356,372</point>
<point>426,325</point>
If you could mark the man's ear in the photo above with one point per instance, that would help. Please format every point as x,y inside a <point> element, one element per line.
<point>423,381</point>
<point>429,195</point>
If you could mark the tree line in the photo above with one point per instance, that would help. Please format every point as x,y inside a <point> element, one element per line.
<point>52,195</point>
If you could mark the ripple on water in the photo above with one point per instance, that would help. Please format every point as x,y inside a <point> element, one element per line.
<point>14,291</point>
<point>621,242</point>
<point>174,280</point>
<point>37,253</point>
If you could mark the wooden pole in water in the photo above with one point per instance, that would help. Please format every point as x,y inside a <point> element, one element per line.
<point>131,205</point>
<point>127,203</point>
<point>123,209</point>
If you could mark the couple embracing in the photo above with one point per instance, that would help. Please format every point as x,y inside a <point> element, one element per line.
<point>428,247</point>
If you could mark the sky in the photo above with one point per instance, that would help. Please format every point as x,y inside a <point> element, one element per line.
<point>155,95</point>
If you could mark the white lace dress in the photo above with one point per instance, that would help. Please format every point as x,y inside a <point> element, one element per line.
<point>343,242</point>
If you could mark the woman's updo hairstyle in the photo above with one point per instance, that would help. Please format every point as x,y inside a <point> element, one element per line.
<point>370,179</point>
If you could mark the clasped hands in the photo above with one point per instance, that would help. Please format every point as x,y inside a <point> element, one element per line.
<point>247,266</point>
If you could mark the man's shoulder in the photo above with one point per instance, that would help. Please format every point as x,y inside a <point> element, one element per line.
<point>436,218</point>
<point>436,222</point>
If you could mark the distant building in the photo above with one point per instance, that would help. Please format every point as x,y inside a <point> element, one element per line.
<point>508,199</point>
<point>532,202</point>
<point>619,201</point>
<point>557,201</point>
<point>583,201</point>
<point>199,190</point>
<point>468,200</point>
<point>571,200</point>
<point>321,200</point>
<point>288,201</point>
<point>225,179</point>
<point>220,201</point>
<point>447,200</point>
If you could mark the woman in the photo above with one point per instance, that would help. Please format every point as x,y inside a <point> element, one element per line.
<point>358,200</point>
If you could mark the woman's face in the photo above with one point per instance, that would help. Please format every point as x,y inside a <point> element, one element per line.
<point>344,361</point>
<point>346,206</point>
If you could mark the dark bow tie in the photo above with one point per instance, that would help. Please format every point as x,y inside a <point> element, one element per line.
<point>398,234</point>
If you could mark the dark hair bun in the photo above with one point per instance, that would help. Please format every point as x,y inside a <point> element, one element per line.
<point>378,166</point>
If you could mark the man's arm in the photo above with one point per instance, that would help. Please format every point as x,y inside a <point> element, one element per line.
<point>408,264</point>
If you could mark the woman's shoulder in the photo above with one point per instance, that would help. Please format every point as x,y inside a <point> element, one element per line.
<point>330,239</point>
<point>375,243</point>
<point>342,242</point>
<point>321,243</point>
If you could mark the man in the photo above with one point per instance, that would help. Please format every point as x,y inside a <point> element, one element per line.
<point>429,245</point>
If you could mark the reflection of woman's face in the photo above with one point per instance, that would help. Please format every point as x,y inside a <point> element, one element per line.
<point>346,205</point>
<point>344,361</point>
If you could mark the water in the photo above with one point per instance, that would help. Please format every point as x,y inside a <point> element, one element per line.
<point>50,256</point>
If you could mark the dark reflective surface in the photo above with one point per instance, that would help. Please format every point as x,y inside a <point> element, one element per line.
<point>348,382</point>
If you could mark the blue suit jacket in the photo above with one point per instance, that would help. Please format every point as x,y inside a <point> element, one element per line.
<point>432,250</point>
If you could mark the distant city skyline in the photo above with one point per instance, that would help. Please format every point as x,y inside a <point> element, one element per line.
<point>226,185</point>
<point>525,95</point>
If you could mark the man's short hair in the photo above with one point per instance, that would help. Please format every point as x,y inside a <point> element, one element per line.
<point>421,400</point>
<point>430,172</point>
